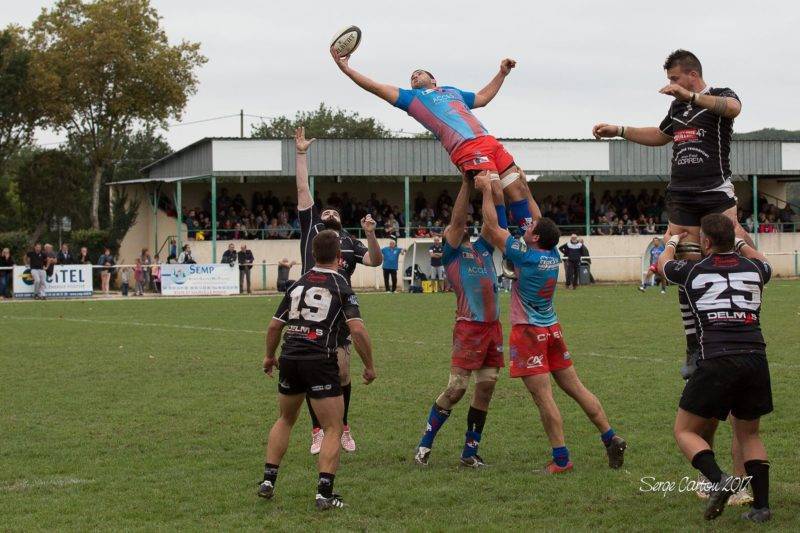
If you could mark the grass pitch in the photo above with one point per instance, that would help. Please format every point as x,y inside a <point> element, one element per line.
<point>153,414</point>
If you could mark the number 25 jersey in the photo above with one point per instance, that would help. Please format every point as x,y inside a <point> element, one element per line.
<point>316,310</point>
<point>725,296</point>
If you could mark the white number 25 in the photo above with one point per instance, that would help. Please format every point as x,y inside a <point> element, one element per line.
<point>742,284</point>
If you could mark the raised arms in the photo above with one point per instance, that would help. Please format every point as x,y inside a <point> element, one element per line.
<point>491,230</point>
<point>723,106</point>
<point>304,199</point>
<point>455,231</point>
<point>381,90</point>
<point>374,256</point>
<point>485,95</point>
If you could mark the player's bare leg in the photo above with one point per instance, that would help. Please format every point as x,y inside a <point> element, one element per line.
<point>343,359</point>
<point>278,441</point>
<point>440,411</point>
<point>329,412</point>
<point>542,392</point>
<point>485,381</point>
<point>568,380</point>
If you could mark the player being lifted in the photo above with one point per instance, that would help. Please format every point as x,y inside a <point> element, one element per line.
<point>724,291</point>
<point>477,334</point>
<point>445,112</point>
<point>537,343</point>
<point>352,252</point>
<point>315,311</point>
<point>699,123</point>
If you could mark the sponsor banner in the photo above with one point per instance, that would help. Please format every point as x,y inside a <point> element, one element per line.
<point>199,280</point>
<point>67,281</point>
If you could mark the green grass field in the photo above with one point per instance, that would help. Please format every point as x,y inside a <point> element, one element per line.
<point>153,414</point>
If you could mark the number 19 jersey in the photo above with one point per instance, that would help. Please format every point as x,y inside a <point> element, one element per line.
<point>316,310</point>
<point>724,292</point>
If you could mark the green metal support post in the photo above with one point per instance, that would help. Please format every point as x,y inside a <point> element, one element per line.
<point>155,219</point>
<point>213,219</point>
<point>587,205</point>
<point>264,274</point>
<point>407,206</point>
<point>178,217</point>
<point>755,209</point>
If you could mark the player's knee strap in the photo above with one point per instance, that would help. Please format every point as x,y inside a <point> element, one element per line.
<point>486,374</point>
<point>456,383</point>
<point>685,249</point>
<point>509,179</point>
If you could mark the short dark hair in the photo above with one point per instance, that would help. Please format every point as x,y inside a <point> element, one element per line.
<point>548,233</point>
<point>719,230</point>
<point>684,59</point>
<point>325,246</point>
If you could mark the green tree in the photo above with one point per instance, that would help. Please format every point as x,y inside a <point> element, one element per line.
<point>323,122</point>
<point>768,134</point>
<point>109,66</point>
<point>49,184</point>
<point>20,110</point>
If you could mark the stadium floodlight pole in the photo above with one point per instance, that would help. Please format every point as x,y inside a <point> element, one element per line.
<point>241,123</point>
<point>587,205</point>
<point>755,209</point>
<point>178,217</point>
<point>214,219</point>
<point>155,219</point>
<point>407,207</point>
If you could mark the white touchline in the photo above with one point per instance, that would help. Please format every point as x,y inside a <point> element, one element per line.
<point>24,484</point>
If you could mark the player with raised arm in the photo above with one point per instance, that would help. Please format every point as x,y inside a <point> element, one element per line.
<point>353,252</point>
<point>732,378</point>
<point>477,334</point>
<point>445,112</point>
<point>537,344</point>
<point>314,311</point>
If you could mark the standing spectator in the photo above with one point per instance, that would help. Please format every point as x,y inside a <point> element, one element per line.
<point>147,260</point>
<point>437,270</point>
<point>284,267</point>
<point>155,274</point>
<point>106,260</point>
<point>7,264</point>
<point>573,251</point>
<point>36,260</point>
<point>246,259</point>
<point>138,276</point>
<point>50,263</point>
<point>173,251</point>
<point>64,256</point>
<point>391,256</point>
<point>125,280</point>
<point>230,256</point>
<point>83,257</point>
<point>186,256</point>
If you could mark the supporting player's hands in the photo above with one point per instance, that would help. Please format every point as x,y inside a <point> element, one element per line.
<point>270,362</point>
<point>506,65</point>
<point>676,91</point>
<point>300,141</point>
<point>369,375</point>
<point>340,60</point>
<point>368,224</point>
<point>605,130</point>
<point>483,182</point>
<point>676,238</point>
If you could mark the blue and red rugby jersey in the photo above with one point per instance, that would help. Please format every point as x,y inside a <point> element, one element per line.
<point>470,270</point>
<point>537,275</point>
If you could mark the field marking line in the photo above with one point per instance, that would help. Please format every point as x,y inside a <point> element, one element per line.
<point>25,484</point>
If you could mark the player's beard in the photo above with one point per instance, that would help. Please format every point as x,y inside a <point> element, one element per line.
<point>332,223</point>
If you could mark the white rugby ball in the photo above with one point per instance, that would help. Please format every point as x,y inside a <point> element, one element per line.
<point>347,40</point>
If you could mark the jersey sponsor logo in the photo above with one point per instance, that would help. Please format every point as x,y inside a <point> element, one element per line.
<point>353,299</point>
<point>477,271</point>
<point>467,254</point>
<point>480,159</point>
<point>722,261</point>
<point>733,316</point>
<point>687,135</point>
<point>678,265</point>
<point>284,384</point>
<point>320,388</point>
<point>316,278</point>
<point>549,263</point>
<point>443,97</point>
<point>567,356</point>
<point>535,361</point>
<point>519,245</point>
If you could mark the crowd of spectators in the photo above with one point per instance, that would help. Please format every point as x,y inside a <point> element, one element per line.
<point>618,212</point>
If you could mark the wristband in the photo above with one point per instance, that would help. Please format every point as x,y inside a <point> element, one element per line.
<point>301,153</point>
<point>740,243</point>
<point>622,132</point>
<point>674,240</point>
<point>672,244</point>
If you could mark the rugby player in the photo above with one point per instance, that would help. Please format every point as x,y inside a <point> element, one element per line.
<point>537,344</point>
<point>655,251</point>
<point>353,252</point>
<point>699,123</point>
<point>314,311</point>
<point>445,112</point>
<point>477,334</point>
<point>732,377</point>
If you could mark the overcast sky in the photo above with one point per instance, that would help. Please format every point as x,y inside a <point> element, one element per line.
<point>579,62</point>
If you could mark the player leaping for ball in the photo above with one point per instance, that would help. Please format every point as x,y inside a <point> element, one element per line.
<point>445,112</point>
<point>477,334</point>
<point>537,343</point>
<point>353,252</point>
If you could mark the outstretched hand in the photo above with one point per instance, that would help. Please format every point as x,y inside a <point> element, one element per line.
<point>368,224</point>
<point>605,130</point>
<point>340,60</point>
<point>300,141</point>
<point>675,90</point>
<point>506,65</point>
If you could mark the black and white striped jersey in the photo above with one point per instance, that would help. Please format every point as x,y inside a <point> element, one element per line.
<point>353,250</point>
<point>701,144</point>
<point>316,310</point>
<point>724,293</point>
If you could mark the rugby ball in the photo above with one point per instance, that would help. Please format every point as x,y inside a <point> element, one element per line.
<point>347,40</point>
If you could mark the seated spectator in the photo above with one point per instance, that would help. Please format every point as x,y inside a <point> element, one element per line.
<point>186,255</point>
<point>64,256</point>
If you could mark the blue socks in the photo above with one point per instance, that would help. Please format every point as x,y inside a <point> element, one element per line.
<point>436,419</point>
<point>471,441</point>
<point>521,213</point>
<point>561,456</point>
<point>607,436</point>
<point>502,220</point>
